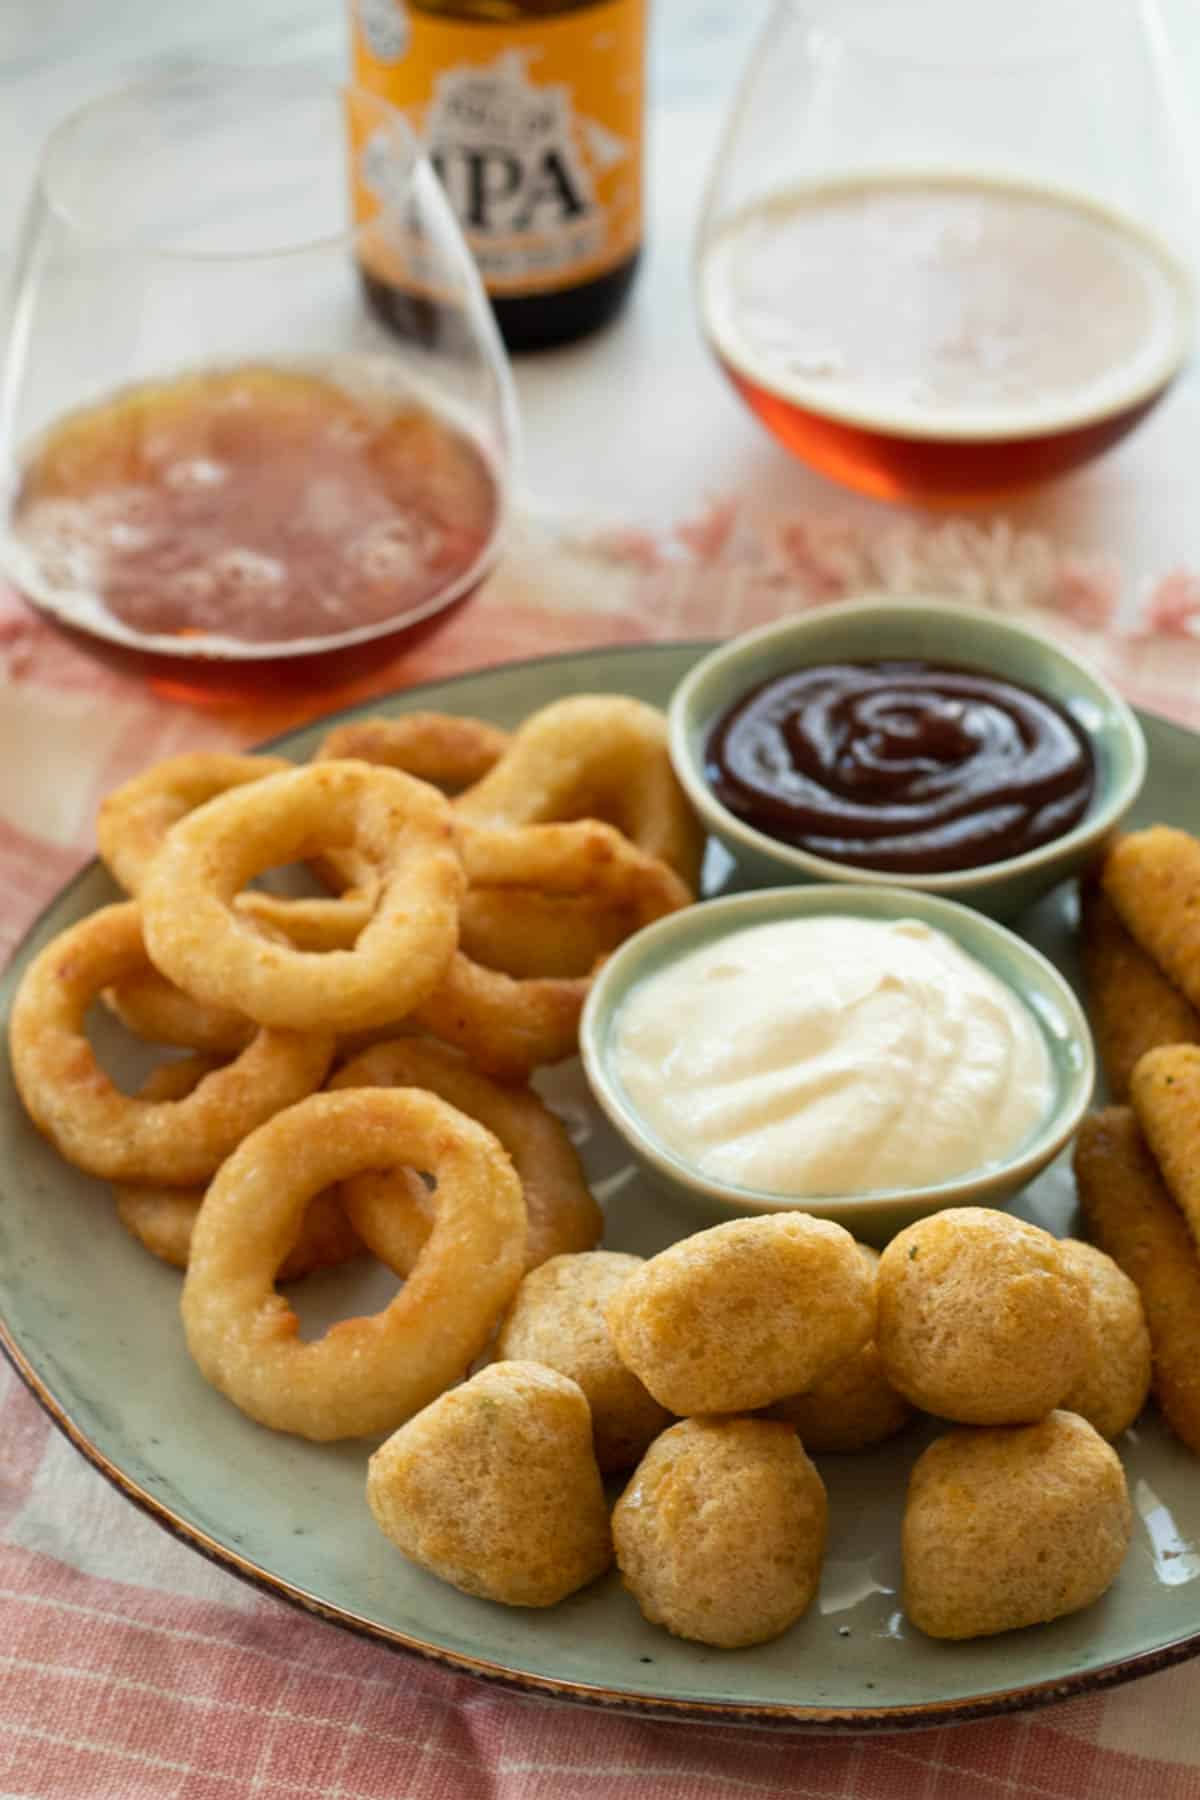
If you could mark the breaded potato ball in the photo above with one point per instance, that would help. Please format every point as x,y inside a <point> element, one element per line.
<point>745,1313</point>
<point>720,1534</point>
<point>981,1317</point>
<point>494,1487</point>
<point>854,1407</point>
<point>557,1318</point>
<point>1115,1382</point>
<point>1012,1526</point>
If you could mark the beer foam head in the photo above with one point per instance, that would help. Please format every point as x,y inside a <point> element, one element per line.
<point>946,306</point>
<point>252,506</point>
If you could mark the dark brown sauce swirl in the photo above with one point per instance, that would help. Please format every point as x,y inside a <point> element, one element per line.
<point>909,767</point>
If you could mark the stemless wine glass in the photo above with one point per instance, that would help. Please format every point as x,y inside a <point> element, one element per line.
<point>220,467</point>
<point>948,248</point>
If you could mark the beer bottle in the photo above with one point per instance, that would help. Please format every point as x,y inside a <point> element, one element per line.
<point>531,112</point>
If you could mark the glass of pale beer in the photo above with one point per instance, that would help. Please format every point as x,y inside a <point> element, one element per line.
<point>946,248</point>
<point>219,469</point>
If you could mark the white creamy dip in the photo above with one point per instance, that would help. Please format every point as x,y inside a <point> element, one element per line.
<point>833,1056</point>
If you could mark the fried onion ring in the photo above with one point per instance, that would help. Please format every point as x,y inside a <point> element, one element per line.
<point>162,1218</point>
<point>131,828</point>
<point>366,1374</point>
<point>153,1008</point>
<point>593,756</point>
<point>402,826</point>
<point>133,821</point>
<point>319,924</point>
<point>448,751</point>
<point>526,934</point>
<point>509,1027</point>
<point>517,932</point>
<point>562,1215</point>
<point>549,942</point>
<point>88,1119</point>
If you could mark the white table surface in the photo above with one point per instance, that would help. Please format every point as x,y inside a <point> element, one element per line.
<point>634,425</point>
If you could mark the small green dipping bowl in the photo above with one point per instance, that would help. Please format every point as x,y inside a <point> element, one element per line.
<point>873,1217</point>
<point>867,630</point>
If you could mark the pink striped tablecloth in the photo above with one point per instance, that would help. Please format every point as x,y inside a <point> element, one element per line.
<point>131,1669</point>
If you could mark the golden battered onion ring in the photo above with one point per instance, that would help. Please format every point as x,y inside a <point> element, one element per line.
<point>153,1008</point>
<point>366,1374</point>
<point>86,1117</point>
<point>446,750</point>
<point>403,826</point>
<point>134,819</point>
<point>517,932</point>
<point>319,924</point>
<point>530,934</point>
<point>508,1027</point>
<point>593,756</point>
<point>562,1215</point>
<point>524,934</point>
<point>131,828</point>
<point>162,1218</point>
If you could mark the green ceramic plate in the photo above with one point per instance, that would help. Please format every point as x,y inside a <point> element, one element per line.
<point>91,1322</point>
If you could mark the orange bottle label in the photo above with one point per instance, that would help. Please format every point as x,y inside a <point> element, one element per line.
<point>534,126</point>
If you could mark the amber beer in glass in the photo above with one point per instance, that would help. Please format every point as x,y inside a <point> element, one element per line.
<point>920,297</point>
<point>219,471</point>
<point>532,113</point>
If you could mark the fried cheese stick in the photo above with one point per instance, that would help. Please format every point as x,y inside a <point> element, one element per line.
<point>1132,1006</point>
<point>1165,1091</point>
<point>1129,1214</point>
<point>1152,878</point>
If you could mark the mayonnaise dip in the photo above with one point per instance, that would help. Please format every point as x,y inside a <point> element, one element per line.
<point>833,1056</point>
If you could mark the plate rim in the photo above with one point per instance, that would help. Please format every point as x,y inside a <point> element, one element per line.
<point>780,1716</point>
